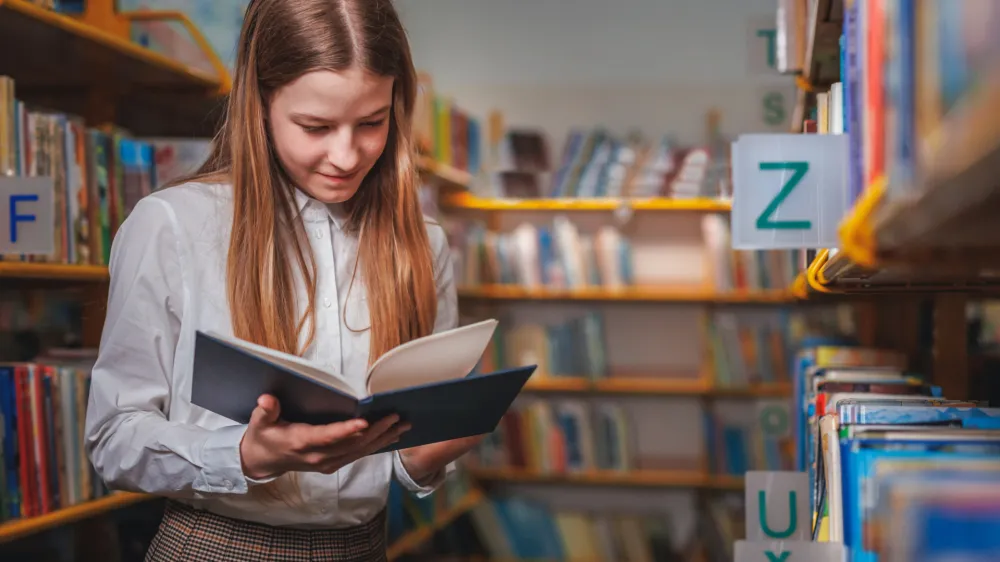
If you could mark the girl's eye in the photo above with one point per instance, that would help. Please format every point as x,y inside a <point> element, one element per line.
<point>373,123</point>
<point>313,130</point>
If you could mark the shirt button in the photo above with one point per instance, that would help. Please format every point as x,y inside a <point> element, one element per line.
<point>228,485</point>
<point>319,234</point>
<point>327,303</point>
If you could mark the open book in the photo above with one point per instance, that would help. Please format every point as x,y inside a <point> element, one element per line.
<point>426,381</point>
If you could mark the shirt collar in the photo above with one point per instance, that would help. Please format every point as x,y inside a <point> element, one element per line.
<point>313,210</point>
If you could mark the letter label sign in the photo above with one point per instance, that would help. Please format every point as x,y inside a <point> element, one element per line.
<point>789,191</point>
<point>27,215</point>
<point>778,521</point>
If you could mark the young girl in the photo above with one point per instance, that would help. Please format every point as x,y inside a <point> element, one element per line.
<point>302,232</point>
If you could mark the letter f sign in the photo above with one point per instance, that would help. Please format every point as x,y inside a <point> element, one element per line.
<point>16,217</point>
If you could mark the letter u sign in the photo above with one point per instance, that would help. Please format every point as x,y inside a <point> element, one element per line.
<point>765,523</point>
<point>777,506</point>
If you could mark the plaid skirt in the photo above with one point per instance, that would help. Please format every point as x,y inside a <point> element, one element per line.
<point>190,535</point>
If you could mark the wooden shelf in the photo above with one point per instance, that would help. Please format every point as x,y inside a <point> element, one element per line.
<point>420,535</point>
<point>53,272</point>
<point>19,528</point>
<point>627,294</point>
<point>63,63</point>
<point>652,386</point>
<point>636,478</point>
<point>444,174</point>
<point>469,201</point>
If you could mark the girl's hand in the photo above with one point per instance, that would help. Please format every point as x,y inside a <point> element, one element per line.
<point>272,447</point>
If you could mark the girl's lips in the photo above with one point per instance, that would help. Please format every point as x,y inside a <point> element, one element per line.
<point>338,178</point>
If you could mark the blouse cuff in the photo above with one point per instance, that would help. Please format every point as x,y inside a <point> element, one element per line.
<point>222,469</point>
<point>410,484</point>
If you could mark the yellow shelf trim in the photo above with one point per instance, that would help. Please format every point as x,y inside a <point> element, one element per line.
<point>651,385</point>
<point>19,528</point>
<point>856,230</point>
<point>472,202</point>
<point>814,275</point>
<point>638,478</point>
<point>625,294</point>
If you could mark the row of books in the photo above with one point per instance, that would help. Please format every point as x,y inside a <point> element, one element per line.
<point>895,467</point>
<point>574,347</point>
<point>597,163</point>
<point>747,348</point>
<point>561,256</point>
<point>745,270</point>
<point>743,348</point>
<point>557,437</point>
<point>534,256</point>
<point>42,456</point>
<point>905,69</point>
<point>98,176</point>
<point>516,528</point>
<point>445,131</point>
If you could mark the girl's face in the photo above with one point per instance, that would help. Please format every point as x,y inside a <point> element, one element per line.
<point>329,128</point>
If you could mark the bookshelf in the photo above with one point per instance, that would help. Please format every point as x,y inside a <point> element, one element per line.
<point>86,65</point>
<point>935,237</point>
<point>924,156</point>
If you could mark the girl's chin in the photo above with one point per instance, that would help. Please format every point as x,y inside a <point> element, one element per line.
<point>332,192</point>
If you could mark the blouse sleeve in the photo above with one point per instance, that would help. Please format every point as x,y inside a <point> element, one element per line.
<point>129,439</point>
<point>447,318</point>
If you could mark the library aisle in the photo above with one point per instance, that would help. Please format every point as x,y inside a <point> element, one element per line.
<point>749,247</point>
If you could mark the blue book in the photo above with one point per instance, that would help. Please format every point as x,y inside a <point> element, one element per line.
<point>861,454</point>
<point>429,382</point>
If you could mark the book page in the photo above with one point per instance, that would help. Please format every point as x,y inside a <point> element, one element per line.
<point>435,358</point>
<point>291,362</point>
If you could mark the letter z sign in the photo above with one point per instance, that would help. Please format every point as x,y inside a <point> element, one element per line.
<point>27,216</point>
<point>789,191</point>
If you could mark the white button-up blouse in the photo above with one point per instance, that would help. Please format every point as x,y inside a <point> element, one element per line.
<point>168,265</point>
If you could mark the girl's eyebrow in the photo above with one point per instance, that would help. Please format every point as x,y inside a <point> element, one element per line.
<point>379,111</point>
<point>315,118</point>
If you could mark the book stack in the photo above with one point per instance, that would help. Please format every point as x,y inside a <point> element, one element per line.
<point>891,461</point>
<point>43,464</point>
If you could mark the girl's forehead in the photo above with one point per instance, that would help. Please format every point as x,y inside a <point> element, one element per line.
<point>334,95</point>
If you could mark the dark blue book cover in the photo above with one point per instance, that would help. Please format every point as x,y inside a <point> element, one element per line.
<point>229,377</point>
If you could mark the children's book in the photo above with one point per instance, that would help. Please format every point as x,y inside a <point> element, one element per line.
<point>425,381</point>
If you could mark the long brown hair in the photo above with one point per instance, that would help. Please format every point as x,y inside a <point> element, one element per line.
<point>280,41</point>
